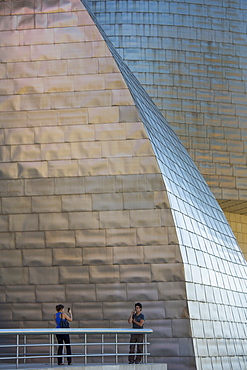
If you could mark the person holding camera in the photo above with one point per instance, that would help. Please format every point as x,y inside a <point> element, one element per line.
<point>59,318</point>
<point>137,320</point>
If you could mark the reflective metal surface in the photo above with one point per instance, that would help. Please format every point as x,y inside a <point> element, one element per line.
<point>204,234</point>
<point>101,206</point>
<point>190,56</point>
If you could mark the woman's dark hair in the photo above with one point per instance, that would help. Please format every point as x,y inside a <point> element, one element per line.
<point>59,307</point>
<point>138,304</point>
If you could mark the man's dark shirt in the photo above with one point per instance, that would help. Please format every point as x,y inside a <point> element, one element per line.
<point>138,318</point>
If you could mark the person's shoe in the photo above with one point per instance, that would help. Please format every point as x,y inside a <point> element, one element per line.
<point>137,362</point>
<point>62,364</point>
<point>131,362</point>
<point>70,364</point>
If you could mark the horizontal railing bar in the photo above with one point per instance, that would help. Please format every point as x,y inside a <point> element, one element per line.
<point>25,357</point>
<point>73,331</point>
<point>69,344</point>
<point>82,355</point>
<point>103,355</point>
<point>73,355</point>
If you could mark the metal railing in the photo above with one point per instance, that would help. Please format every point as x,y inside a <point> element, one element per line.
<point>88,345</point>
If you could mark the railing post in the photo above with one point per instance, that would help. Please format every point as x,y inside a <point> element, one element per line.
<point>85,348</point>
<point>17,350</point>
<point>116,350</point>
<point>24,348</point>
<point>52,349</point>
<point>145,348</point>
<point>102,348</point>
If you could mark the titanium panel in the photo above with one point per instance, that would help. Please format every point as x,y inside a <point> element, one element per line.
<point>80,253</point>
<point>195,212</point>
<point>190,58</point>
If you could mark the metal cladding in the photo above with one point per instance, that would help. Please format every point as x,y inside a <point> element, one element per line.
<point>190,56</point>
<point>101,205</point>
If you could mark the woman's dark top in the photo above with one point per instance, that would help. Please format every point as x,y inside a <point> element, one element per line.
<point>58,319</point>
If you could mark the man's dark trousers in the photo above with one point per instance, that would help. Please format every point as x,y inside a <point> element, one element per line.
<point>136,339</point>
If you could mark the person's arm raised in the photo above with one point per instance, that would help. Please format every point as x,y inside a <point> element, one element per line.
<point>130,319</point>
<point>65,316</point>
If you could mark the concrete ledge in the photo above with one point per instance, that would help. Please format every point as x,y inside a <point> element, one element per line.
<point>88,367</point>
<point>114,367</point>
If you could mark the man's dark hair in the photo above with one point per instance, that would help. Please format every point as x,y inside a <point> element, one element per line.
<point>138,304</point>
<point>59,307</point>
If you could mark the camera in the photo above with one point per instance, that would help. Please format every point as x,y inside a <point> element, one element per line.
<point>68,309</point>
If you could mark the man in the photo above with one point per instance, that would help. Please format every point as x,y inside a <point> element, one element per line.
<point>137,320</point>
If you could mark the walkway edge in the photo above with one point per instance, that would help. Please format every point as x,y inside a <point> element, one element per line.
<point>93,367</point>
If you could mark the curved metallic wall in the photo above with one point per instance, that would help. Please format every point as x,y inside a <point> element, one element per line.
<point>215,269</point>
<point>101,205</point>
<point>85,219</point>
<point>191,58</point>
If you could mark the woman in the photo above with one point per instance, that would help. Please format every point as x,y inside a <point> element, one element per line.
<point>60,315</point>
